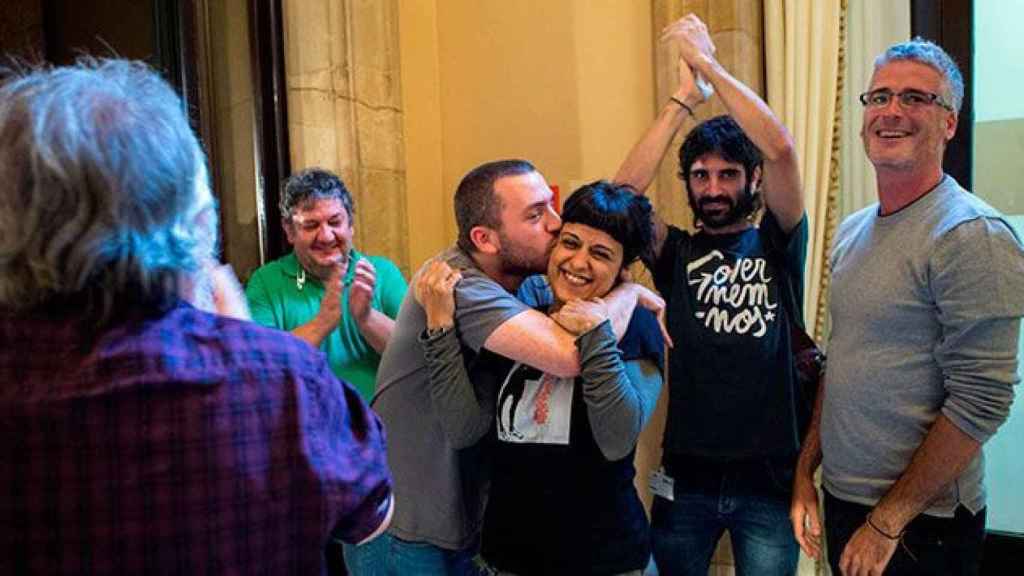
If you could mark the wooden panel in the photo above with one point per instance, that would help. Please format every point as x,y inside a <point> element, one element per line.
<point>268,75</point>
<point>124,29</point>
<point>949,23</point>
<point>21,30</point>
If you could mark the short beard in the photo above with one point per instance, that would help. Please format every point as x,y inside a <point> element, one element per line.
<point>516,262</point>
<point>737,211</point>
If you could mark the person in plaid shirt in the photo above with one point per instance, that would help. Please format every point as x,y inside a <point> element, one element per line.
<point>140,434</point>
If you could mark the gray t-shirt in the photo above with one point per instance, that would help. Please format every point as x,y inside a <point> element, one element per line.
<point>438,496</point>
<point>926,306</point>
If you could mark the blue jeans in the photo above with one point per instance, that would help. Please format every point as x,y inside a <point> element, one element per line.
<point>390,556</point>
<point>750,500</point>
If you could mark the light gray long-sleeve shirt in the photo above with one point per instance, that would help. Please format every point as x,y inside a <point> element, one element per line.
<point>926,306</point>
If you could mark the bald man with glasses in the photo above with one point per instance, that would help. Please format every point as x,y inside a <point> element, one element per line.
<point>927,297</point>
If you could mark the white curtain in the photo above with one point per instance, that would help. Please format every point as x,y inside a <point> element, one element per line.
<point>802,55</point>
<point>872,26</point>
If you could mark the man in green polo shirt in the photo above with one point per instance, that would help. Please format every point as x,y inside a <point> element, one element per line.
<point>325,292</point>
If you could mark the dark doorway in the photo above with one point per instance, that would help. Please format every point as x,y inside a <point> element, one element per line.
<point>951,24</point>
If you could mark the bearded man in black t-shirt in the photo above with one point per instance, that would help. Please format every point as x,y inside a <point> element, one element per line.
<point>732,437</point>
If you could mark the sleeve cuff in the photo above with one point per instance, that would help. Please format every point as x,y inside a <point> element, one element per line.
<point>969,427</point>
<point>440,344</point>
<point>429,337</point>
<point>596,340</point>
<point>384,523</point>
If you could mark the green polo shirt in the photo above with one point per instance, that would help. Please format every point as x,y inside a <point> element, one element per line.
<point>277,300</point>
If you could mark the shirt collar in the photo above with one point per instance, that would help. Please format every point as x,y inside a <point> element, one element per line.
<point>290,266</point>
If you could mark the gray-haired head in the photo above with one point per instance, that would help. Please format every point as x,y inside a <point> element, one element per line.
<point>309,185</point>
<point>103,184</point>
<point>929,54</point>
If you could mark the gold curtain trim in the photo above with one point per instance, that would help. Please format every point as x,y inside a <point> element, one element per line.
<point>832,202</point>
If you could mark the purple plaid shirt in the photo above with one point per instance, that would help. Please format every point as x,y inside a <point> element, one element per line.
<point>185,443</point>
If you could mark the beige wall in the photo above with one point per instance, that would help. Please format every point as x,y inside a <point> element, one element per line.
<point>615,80</point>
<point>508,85</point>
<point>567,85</point>
<point>428,220</point>
<point>998,148</point>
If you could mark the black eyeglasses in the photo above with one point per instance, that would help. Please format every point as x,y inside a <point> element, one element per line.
<point>914,99</point>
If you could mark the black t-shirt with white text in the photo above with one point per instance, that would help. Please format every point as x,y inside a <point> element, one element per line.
<point>731,381</point>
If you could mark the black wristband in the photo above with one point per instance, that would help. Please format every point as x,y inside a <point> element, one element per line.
<point>882,532</point>
<point>681,103</point>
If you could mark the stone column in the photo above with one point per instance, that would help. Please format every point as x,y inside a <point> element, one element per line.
<point>345,110</point>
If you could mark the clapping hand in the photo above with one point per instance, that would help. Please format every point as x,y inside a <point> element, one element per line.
<point>360,296</point>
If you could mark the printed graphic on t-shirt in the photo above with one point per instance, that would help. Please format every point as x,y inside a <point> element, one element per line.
<point>534,407</point>
<point>732,295</point>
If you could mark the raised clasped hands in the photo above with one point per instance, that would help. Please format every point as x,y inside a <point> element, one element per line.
<point>695,50</point>
<point>692,37</point>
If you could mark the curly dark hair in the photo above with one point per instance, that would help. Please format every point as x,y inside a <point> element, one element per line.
<point>721,135</point>
<point>313,184</point>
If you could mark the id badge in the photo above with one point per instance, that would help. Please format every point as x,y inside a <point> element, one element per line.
<point>662,484</point>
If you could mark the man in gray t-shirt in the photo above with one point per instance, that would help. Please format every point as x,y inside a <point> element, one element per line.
<point>507,226</point>
<point>927,297</point>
